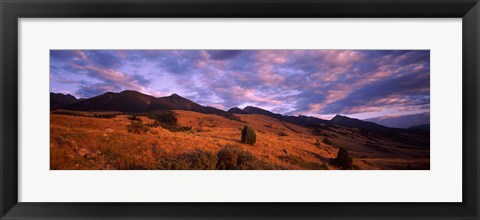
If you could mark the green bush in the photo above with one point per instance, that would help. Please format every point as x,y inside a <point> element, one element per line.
<point>168,120</point>
<point>203,160</point>
<point>137,127</point>
<point>248,135</point>
<point>198,160</point>
<point>165,117</point>
<point>228,158</point>
<point>234,158</point>
<point>343,160</point>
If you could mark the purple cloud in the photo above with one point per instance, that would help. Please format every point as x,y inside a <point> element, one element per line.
<point>309,82</point>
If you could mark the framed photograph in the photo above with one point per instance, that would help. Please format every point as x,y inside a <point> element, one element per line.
<point>250,110</point>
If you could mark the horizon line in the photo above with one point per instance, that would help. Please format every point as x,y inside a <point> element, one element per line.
<point>322,118</point>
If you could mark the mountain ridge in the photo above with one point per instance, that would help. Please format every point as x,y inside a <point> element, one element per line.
<point>402,121</point>
<point>136,102</point>
<point>60,99</point>
<point>298,120</point>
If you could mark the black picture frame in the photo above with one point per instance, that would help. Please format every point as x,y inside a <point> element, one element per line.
<point>12,10</point>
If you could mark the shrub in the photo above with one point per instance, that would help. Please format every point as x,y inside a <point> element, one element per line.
<point>282,134</point>
<point>165,117</point>
<point>168,120</point>
<point>197,160</point>
<point>326,141</point>
<point>129,163</point>
<point>343,160</point>
<point>202,160</point>
<point>104,115</point>
<point>234,158</point>
<point>231,117</point>
<point>228,158</point>
<point>317,143</point>
<point>248,135</point>
<point>134,118</point>
<point>137,127</point>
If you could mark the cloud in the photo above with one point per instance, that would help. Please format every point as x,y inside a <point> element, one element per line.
<point>90,73</point>
<point>223,54</point>
<point>114,78</point>
<point>308,82</point>
<point>90,90</point>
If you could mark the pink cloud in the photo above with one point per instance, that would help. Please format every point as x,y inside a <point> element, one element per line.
<point>80,54</point>
<point>267,75</point>
<point>339,57</point>
<point>125,80</point>
<point>272,56</point>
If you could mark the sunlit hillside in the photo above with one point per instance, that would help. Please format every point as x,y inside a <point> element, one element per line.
<point>109,140</point>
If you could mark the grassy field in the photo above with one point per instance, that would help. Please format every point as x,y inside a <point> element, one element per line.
<point>89,141</point>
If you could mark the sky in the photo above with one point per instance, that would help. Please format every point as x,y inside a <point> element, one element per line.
<point>322,83</point>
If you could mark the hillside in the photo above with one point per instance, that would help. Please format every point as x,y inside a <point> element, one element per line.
<point>136,102</point>
<point>423,127</point>
<point>402,121</point>
<point>59,99</point>
<point>298,120</point>
<point>131,130</point>
<point>81,142</point>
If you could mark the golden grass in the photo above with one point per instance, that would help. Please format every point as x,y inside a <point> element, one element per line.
<point>96,143</point>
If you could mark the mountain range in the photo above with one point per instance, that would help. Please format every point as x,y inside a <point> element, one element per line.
<point>136,102</point>
<point>402,121</point>
<point>298,120</point>
<point>58,99</point>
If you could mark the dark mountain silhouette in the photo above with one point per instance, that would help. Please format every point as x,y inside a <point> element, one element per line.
<point>355,123</point>
<point>402,121</point>
<point>59,99</point>
<point>298,120</point>
<point>126,101</point>
<point>255,110</point>
<point>305,120</point>
<point>176,102</point>
<point>235,110</point>
<point>372,130</point>
<point>179,103</point>
<point>136,102</point>
<point>423,127</point>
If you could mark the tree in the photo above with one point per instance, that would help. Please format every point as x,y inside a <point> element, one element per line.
<point>248,135</point>
<point>343,160</point>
